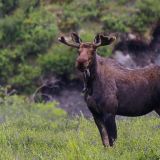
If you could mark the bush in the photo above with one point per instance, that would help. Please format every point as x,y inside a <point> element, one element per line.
<point>7,6</point>
<point>60,61</point>
<point>68,21</point>
<point>18,107</point>
<point>29,6</point>
<point>86,10</point>
<point>10,27</point>
<point>24,35</point>
<point>38,33</point>
<point>147,14</point>
<point>26,77</point>
<point>71,20</point>
<point>7,69</point>
<point>114,23</point>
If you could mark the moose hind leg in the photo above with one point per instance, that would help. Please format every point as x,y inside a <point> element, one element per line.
<point>110,125</point>
<point>102,131</point>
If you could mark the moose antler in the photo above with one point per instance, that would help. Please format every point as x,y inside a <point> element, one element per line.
<point>102,40</point>
<point>75,39</point>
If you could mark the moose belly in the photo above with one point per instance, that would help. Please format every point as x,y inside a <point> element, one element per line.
<point>134,110</point>
<point>135,102</point>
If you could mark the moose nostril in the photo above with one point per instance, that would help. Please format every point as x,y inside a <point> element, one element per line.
<point>81,60</point>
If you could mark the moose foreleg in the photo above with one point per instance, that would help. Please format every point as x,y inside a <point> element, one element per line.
<point>102,131</point>
<point>110,125</point>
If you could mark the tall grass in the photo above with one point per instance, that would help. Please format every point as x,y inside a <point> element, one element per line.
<point>30,131</point>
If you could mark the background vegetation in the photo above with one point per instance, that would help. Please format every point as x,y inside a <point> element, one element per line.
<point>29,51</point>
<point>30,55</point>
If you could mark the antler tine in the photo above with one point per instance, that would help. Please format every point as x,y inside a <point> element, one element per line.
<point>62,40</point>
<point>99,43</point>
<point>103,40</point>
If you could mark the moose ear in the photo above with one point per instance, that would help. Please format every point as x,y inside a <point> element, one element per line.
<point>76,38</point>
<point>106,40</point>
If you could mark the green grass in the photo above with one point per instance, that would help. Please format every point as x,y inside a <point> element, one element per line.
<point>30,131</point>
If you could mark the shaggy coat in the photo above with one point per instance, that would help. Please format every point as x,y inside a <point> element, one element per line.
<point>111,89</point>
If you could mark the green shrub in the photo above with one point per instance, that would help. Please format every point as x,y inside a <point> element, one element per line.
<point>116,23</point>
<point>71,20</point>
<point>60,61</point>
<point>19,107</point>
<point>29,6</point>
<point>22,37</point>
<point>7,6</point>
<point>86,10</point>
<point>27,76</point>
<point>38,33</point>
<point>10,27</point>
<point>68,21</point>
<point>5,68</point>
<point>147,14</point>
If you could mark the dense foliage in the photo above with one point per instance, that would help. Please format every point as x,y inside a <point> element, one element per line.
<point>29,51</point>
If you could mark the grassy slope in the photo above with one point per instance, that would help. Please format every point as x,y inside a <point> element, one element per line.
<point>40,131</point>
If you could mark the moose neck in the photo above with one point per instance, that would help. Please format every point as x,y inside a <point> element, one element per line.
<point>89,76</point>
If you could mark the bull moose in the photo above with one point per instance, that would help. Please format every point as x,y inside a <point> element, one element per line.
<point>111,89</point>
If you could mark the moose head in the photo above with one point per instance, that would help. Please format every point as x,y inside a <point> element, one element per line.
<point>86,50</point>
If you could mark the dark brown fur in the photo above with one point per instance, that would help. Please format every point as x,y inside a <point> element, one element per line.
<point>114,90</point>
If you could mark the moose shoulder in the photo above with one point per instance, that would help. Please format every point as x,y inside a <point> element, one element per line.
<point>110,89</point>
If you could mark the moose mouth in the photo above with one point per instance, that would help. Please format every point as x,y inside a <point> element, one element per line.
<point>84,70</point>
<point>82,67</point>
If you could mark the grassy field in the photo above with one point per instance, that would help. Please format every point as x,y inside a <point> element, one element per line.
<point>30,131</point>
